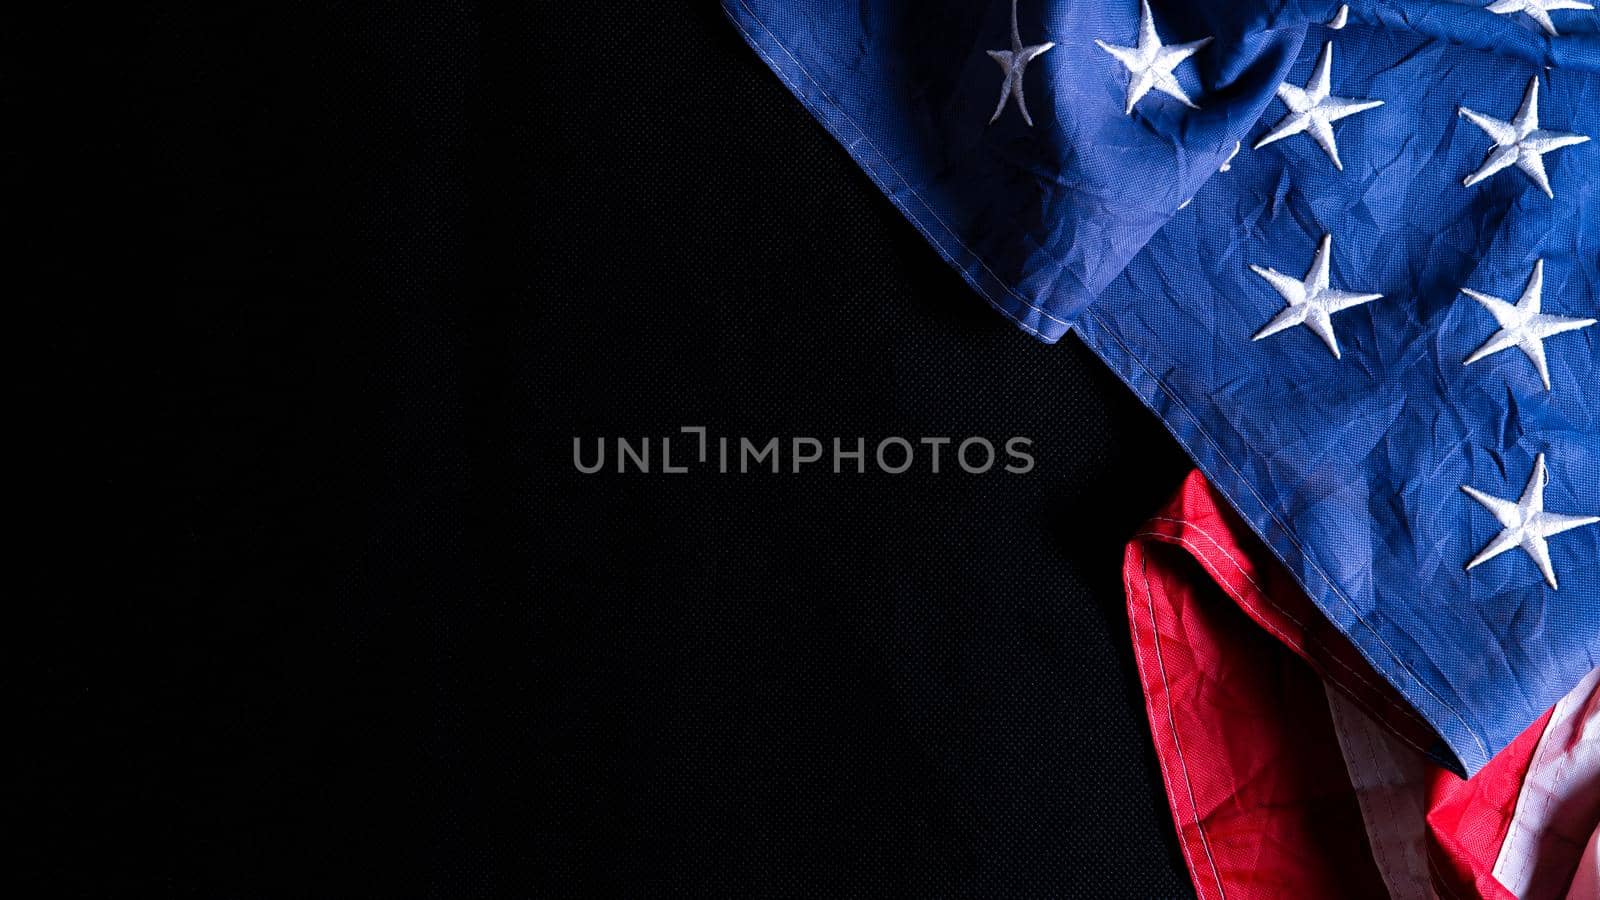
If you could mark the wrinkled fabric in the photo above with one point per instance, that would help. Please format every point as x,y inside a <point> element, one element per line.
<point>1240,724</point>
<point>1586,881</point>
<point>1389,781</point>
<point>1559,805</point>
<point>1288,777</point>
<point>1350,469</point>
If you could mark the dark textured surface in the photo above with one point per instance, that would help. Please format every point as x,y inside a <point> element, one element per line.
<point>327,296</point>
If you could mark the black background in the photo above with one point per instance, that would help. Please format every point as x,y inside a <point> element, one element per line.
<point>311,601</point>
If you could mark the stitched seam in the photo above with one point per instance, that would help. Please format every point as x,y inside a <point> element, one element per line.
<point>1354,738</point>
<point>1354,695</point>
<point>1369,741</point>
<point>1183,765</point>
<point>1519,811</point>
<point>1310,634</point>
<point>1166,780</point>
<point>909,187</point>
<point>1542,756</point>
<point>1288,533</point>
<point>1544,814</point>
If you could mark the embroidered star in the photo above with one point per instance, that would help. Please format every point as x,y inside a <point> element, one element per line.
<point>1519,142</point>
<point>1311,301</point>
<point>1537,10</point>
<point>1312,109</point>
<point>1227,164</point>
<point>1522,325</point>
<point>1525,523</point>
<point>1150,64</point>
<point>1015,63</point>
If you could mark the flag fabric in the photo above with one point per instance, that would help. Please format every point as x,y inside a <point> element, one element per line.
<point>1291,771</point>
<point>1349,255</point>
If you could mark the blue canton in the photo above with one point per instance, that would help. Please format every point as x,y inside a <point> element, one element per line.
<point>1114,208</point>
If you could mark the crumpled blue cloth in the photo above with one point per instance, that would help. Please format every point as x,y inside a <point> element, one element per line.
<point>1350,469</point>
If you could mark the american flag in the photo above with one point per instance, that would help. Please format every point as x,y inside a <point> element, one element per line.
<point>1350,255</point>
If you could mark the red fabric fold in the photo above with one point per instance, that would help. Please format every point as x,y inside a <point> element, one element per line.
<point>1234,662</point>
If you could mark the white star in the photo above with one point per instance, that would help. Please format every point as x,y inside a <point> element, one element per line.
<point>1311,301</point>
<point>1537,10</point>
<point>1522,325</point>
<point>1519,142</point>
<point>1312,109</point>
<point>1015,63</point>
<point>1227,164</point>
<point>1150,64</point>
<point>1526,523</point>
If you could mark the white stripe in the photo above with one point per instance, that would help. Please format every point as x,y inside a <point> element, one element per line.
<point>1560,800</point>
<point>1390,781</point>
